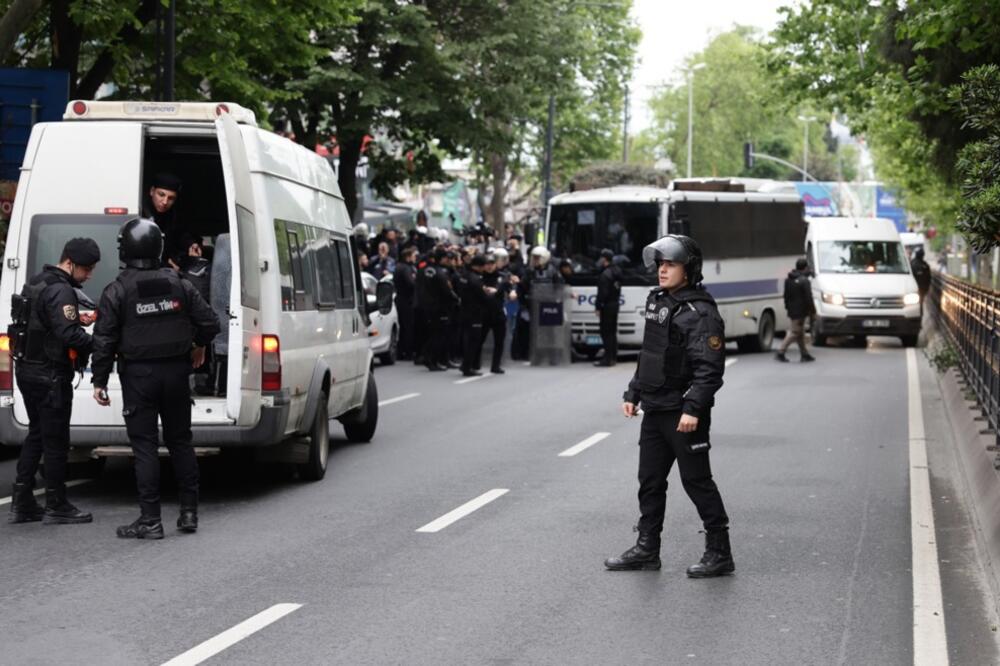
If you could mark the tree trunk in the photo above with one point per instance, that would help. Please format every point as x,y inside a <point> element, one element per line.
<point>66,39</point>
<point>350,155</point>
<point>498,171</point>
<point>15,21</point>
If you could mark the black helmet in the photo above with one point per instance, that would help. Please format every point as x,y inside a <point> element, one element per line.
<point>140,243</point>
<point>673,247</point>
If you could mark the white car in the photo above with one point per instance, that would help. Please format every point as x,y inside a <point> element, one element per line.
<point>383,332</point>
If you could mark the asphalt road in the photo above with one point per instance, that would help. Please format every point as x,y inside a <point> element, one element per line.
<point>811,459</point>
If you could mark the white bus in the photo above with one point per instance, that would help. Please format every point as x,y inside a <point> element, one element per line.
<point>750,241</point>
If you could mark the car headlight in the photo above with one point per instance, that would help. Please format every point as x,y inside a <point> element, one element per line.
<point>911,299</point>
<point>833,299</point>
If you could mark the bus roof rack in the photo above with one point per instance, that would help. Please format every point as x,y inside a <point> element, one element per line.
<point>708,185</point>
<point>175,111</point>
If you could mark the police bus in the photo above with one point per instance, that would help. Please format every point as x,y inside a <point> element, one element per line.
<point>751,233</point>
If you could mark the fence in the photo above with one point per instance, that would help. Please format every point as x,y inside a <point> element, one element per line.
<point>970,317</point>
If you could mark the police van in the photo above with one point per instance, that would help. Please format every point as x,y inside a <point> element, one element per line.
<point>293,353</point>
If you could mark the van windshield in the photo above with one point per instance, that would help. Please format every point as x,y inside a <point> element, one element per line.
<point>862,257</point>
<point>49,234</point>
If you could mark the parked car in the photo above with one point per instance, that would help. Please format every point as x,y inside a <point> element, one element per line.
<point>383,332</point>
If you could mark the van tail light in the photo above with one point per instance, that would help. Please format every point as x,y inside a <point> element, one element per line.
<point>6,364</point>
<point>270,363</point>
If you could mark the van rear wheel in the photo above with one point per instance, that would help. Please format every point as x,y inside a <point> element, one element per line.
<point>360,425</point>
<point>314,469</point>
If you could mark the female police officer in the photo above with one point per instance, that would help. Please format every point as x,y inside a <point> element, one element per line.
<point>680,369</point>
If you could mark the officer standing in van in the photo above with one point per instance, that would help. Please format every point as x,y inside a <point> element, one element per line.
<point>44,370</point>
<point>157,324</point>
<point>679,371</point>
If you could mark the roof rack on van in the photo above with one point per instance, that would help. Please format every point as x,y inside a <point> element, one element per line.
<point>180,111</point>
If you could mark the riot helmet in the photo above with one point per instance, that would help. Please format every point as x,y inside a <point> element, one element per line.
<point>676,248</point>
<point>140,243</point>
<point>542,254</point>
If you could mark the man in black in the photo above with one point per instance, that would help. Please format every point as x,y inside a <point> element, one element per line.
<point>799,304</point>
<point>44,371</point>
<point>149,318</point>
<point>679,371</point>
<point>609,290</point>
<point>439,301</point>
<point>405,281</point>
<point>476,303</point>
<point>921,273</point>
<point>498,287</point>
<point>163,193</point>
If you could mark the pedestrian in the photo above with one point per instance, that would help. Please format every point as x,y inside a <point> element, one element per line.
<point>609,291</point>
<point>405,281</point>
<point>382,264</point>
<point>800,306</point>
<point>157,326</point>
<point>47,312</point>
<point>679,371</point>
<point>476,304</point>
<point>921,273</point>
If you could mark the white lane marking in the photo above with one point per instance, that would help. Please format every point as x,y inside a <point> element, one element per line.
<point>400,398</point>
<point>230,637</point>
<point>584,445</point>
<point>472,379</point>
<point>464,510</point>
<point>930,642</point>
<point>41,491</point>
<point>730,361</point>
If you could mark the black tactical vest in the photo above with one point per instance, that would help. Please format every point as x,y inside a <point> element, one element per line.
<point>663,360</point>
<point>155,316</point>
<point>40,345</point>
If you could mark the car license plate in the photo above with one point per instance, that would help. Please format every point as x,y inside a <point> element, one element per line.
<point>593,341</point>
<point>875,323</point>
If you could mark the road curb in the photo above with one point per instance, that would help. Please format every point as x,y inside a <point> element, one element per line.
<point>976,465</point>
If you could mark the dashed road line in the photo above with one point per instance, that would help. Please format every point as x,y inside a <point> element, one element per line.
<point>584,445</point>
<point>41,491</point>
<point>230,637</point>
<point>401,398</point>
<point>730,361</point>
<point>930,642</point>
<point>464,510</point>
<point>466,380</point>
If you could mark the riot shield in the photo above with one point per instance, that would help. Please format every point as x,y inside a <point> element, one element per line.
<point>550,324</point>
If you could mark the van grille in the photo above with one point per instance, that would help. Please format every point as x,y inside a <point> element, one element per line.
<point>873,302</point>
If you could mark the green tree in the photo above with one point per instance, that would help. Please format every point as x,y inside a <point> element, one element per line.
<point>978,162</point>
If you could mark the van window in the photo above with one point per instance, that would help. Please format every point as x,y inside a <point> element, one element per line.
<point>283,242</point>
<point>862,257</point>
<point>249,259</point>
<point>346,297</point>
<point>48,236</point>
<point>327,273</point>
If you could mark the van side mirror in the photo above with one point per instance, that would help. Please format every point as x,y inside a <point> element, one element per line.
<point>384,293</point>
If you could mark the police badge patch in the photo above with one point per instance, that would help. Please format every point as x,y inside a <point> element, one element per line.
<point>714,342</point>
<point>661,316</point>
<point>69,311</point>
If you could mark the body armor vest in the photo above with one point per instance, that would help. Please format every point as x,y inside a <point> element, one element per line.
<point>155,319</point>
<point>36,344</point>
<point>663,359</point>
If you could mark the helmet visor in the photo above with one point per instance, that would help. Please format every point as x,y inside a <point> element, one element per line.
<point>668,248</point>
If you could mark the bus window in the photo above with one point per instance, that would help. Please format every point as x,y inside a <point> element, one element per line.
<point>578,232</point>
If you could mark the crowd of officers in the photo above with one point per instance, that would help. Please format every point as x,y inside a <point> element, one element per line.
<point>452,296</point>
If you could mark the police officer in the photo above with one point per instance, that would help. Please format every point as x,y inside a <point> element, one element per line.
<point>498,287</point>
<point>679,371</point>
<point>149,317</point>
<point>609,290</point>
<point>44,370</point>
<point>476,303</point>
<point>439,302</point>
<point>405,281</point>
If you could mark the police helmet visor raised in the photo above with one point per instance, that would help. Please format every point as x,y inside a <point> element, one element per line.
<point>668,248</point>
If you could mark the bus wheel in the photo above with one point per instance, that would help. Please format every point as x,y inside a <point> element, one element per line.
<point>762,341</point>
<point>819,340</point>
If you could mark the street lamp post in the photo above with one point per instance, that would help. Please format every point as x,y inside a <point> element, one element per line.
<point>805,142</point>
<point>690,75</point>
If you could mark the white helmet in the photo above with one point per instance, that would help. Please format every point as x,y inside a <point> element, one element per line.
<point>422,230</point>
<point>542,253</point>
<point>500,253</point>
<point>361,229</point>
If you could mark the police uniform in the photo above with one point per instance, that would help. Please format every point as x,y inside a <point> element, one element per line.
<point>495,320</point>
<point>149,317</point>
<point>679,371</point>
<point>44,352</point>
<point>475,306</point>
<point>609,291</point>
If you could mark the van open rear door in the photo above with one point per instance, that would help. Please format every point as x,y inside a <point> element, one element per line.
<point>244,372</point>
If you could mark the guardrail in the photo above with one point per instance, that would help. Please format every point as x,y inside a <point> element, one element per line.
<point>970,317</point>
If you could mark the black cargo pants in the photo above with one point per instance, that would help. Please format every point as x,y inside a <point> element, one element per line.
<point>608,318</point>
<point>152,389</point>
<point>49,406</point>
<point>660,445</point>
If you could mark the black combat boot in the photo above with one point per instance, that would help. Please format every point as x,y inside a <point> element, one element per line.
<point>143,528</point>
<point>188,520</point>
<point>24,508</point>
<point>718,557</point>
<point>644,555</point>
<point>58,510</point>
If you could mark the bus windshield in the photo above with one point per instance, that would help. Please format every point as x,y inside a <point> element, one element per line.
<point>578,233</point>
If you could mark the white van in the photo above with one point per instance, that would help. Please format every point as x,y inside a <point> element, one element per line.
<point>862,284</point>
<point>295,318</point>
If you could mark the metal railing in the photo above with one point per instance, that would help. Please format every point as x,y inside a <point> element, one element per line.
<point>970,317</point>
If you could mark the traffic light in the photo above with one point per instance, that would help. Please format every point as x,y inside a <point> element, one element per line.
<point>748,155</point>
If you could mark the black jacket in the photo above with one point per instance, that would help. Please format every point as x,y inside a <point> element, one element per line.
<point>922,274</point>
<point>798,295</point>
<point>476,303</point>
<point>58,310</point>
<point>609,288</point>
<point>111,316</point>
<point>697,354</point>
<point>405,281</point>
